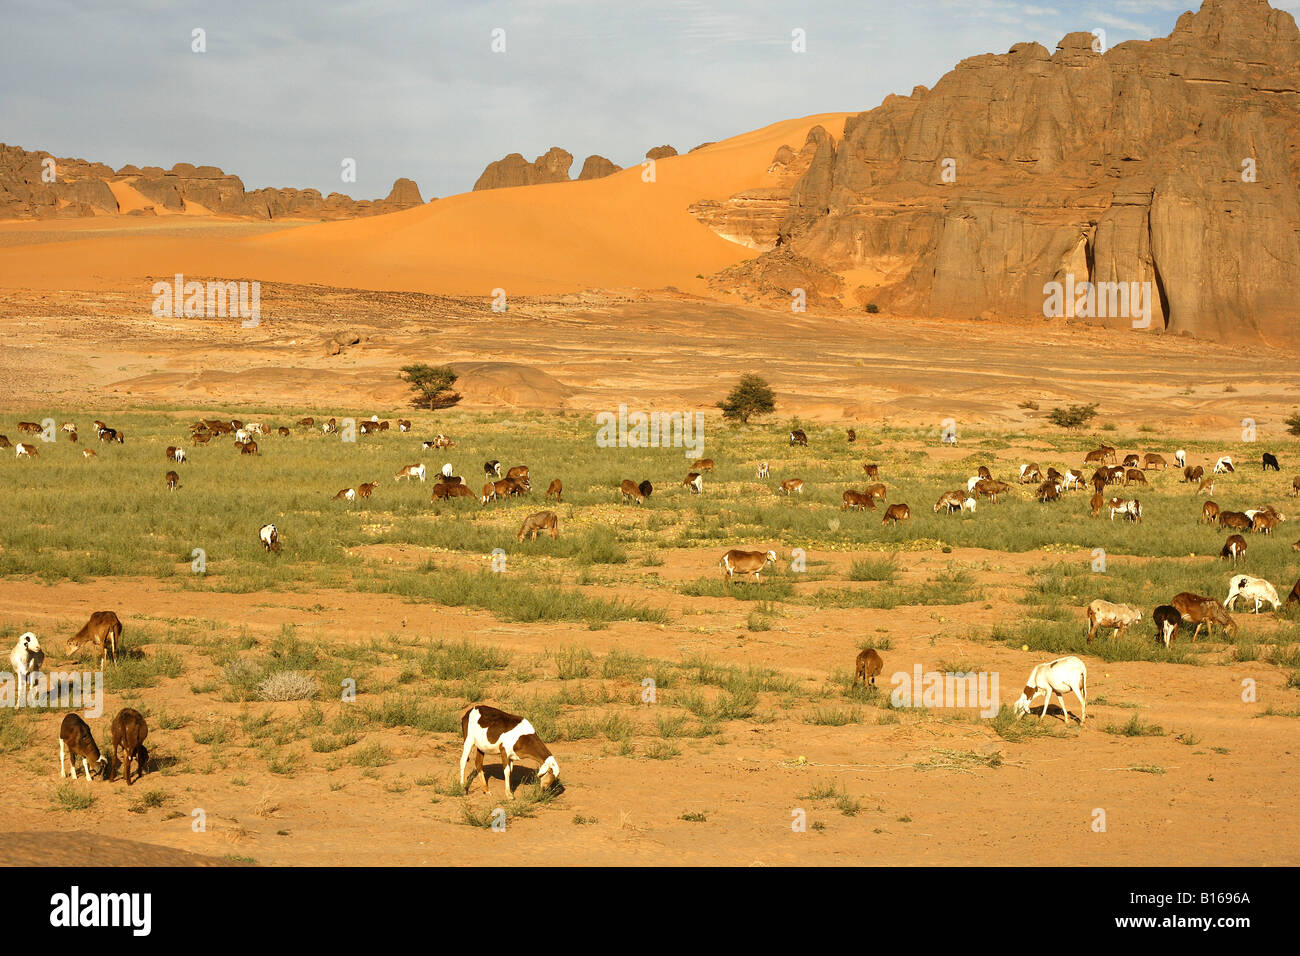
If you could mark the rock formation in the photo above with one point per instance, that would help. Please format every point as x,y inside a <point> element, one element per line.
<point>597,167</point>
<point>660,152</point>
<point>514,170</point>
<point>29,190</point>
<point>1171,163</point>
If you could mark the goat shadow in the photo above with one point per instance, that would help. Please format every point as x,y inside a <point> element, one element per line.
<point>1054,710</point>
<point>518,775</point>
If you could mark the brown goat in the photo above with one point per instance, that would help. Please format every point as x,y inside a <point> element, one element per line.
<point>629,491</point>
<point>792,485</point>
<point>856,499</point>
<point>76,740</point>
<point>897,514</point>
<point>366,489</point>
<point>873,471</point>
<point>172,480</point>
<point>555,489</point>
<point>103,632</point>
<point>541,521</point>
<point>987,488</point>
<point>868,666</point>
<point>1210,512</point>
<point>702,464</point>
<point>1234,521</point>
<point>1234,548</point>
<point>249,448</point>
<point>1203,611</point>
<point>1193,473</point>
<point>1134,476</point>
<point>1096,503</point>
<point>129,731</point>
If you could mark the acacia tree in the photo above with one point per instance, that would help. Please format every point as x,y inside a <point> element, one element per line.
<point>432,383</point>
<point>751,396</point>
<point>1075,416</point>
<point>1293,424</point>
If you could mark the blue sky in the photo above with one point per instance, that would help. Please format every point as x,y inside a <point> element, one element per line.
<point>286,91</point>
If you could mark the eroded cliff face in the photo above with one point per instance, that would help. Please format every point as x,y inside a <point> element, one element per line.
<point>1172,164</point>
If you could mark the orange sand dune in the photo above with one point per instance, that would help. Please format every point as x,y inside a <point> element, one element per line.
<point>617,232</point>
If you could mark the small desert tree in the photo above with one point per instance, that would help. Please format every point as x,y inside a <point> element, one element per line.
<point>432,383</point>
<point>1076,416</point>
<point>1293,424</point>
<point>751,396</point>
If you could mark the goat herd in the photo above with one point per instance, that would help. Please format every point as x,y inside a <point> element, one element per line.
<point>487,730</point>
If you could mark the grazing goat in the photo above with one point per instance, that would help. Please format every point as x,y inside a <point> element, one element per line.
<point>1152,460</point>
<point>1234,548</point>
<point>1029,473</point>
<point>790,485</point>
<point>897,514</point>
<point>1203,612</point>
<point>1224,466</point>
<point>1072,478</point>
<point>129,731</point>
<point>646,488</point>
<point>798,437</point>
<point>1210,512</point>
<point>1048,491</point>
<point>28,428</point>
<point>873,471</point>
<point>706,464</point>
<point>1168,619</point>
<point>949,501</point>
<point>269,537</point>
<point>1234,521</point>
<point>556,489</point>
<point>347,494</point>
<point>76,740</point>
<point>868,665</point>
<point>1130,461</point>
<point>491,731</point>
<point>103,632</point>
<point>403,424</point>
<point>694,481</point>
<point>1105,614</point>
<point>1206,485</point>
<point>282,432</point>
<point>762,471</point>
<point>4,442</point>
<point>1265,521</point>
<point>1252,589</point>
<point>1294,596</point>
<point>1180,458</point>
<point>492,469</point>
<point>1135,477</point>
<point>27,658</point>
<point>176,454</point>
<point>411,471</point>
<point>172,480</point>
<point>24,450</point>
<point>629,491</point>
<point>983,472</point>
<point>1270,461</point>
<point>305,422</point>
<point>488,493</point>
<point>853,436</point>
<point>746,562</point>
<point>87,453</point>
<point>446,490</point>
<point>877,491</point>
<point>1131,509</point>
<point>518,472</point>
<point>987,488</point>
<point>1065,674</point>
<point>857,500</point>
<point>366,489</point>
<point>249,448</point>
<point>541,521</point>
<point>1096,502</point>
<point>1193,473</point>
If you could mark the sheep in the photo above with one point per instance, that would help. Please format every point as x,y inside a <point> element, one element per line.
<point>488,493</point>
<point>1234,548</point>
<point>87,453</point>
<point>75,739</point>
<point>27,658</point>
<point>4,442</point>
<point>694,481</point>
<point>1203,612</point>
<point>1105,614</point>
<point>491,731</point>
<point>269,537</point>
<point>629,491</point>
<point>762,471</point>
<point>972,481</point>
<point>1252,589</point>
<point>746,562</point>
<point>1056,677</point>
<point>798,437</point>
<point>103,631</point>
<point>282,432</point>
<point>1224,466</point>
<point>556,489</point>
<point>791,485</point>
<point>1270,461</point>
<point>1167,619</point>
<point>541,521</point>
<point>897,514</point>
<point>129,731</point>
<point>403,424</point>
<point>857,500</point>
<point>868,665</point>
<point>1265,521</point>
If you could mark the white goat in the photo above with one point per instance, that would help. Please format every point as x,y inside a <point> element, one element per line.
<point>1105,614</point>
<point>1055,677</point>
<point>27,658</point>
<point>1252,589</point>
<point>1224,466</point>
<point>1180,456</point>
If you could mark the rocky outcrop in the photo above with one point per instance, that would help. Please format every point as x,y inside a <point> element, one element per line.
<point>29,190</point>
<point>597,167</point>
<point>660,152</point>
<point>1172,163</point>
<point>514,170</point>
